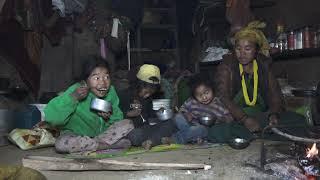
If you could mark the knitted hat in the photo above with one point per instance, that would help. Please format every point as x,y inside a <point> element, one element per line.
<point>147,71</point>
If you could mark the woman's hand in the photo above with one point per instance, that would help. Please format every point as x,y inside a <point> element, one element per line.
<point>252,124</point>
<point>273,120</point>
<point>104,115</point>
<point>80,93</point>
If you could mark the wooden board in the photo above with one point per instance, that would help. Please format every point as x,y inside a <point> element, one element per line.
<point>63,164</point>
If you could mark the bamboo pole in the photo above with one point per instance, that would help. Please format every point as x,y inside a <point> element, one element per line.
<point>295,138</point>
<point>63,164</point>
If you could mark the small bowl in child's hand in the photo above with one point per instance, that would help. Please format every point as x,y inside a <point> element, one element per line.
<point>101,105</point>
<point>207,121</point>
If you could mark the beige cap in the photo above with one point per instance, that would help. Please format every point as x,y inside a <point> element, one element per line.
<point>147,71</point>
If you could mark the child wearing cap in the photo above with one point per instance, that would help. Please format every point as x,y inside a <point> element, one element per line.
<point>136,103</point>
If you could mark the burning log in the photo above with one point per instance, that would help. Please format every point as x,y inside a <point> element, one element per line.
<point>310,162</point>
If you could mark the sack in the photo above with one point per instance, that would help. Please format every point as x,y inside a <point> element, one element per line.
<point>31,139</point>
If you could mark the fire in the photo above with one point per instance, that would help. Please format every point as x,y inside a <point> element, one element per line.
<point>313,151</point>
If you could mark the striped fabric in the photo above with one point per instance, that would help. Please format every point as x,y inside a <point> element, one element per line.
<point>215,109</point>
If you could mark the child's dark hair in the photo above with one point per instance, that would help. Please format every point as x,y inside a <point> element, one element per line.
<point>90,64</point>
<point>200,79</point>
<point>138,85</point>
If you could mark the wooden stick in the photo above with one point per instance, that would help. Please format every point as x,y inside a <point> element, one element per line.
<point>63,164</point>
<point>295,138</point>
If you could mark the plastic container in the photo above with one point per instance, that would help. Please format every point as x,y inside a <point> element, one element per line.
<point>306,37</point>
<point>310,103</point>
<point>299,40</point>
<point>291,40</point>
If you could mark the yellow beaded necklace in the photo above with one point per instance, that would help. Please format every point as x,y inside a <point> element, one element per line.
<point>255,84</point>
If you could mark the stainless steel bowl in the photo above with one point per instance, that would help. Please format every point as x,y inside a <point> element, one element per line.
<point>239,143</point>
<point>101,105</point>
<point>207,121</point>
<point>164,114</point>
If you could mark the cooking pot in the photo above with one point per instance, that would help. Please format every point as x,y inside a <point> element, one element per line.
<point>101,105</point>
<point>164,114</point>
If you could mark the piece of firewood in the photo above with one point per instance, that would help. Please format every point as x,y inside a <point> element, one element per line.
<point>63,164</point>
<point>295,138</point>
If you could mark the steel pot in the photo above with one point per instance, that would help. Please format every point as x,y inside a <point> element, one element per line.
<point>164,114</point>
<point>238,143</point>
<point>101,105</point>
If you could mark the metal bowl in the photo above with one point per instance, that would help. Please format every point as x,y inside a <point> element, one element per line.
<point>164,114</point>
<point>101,105</point>
<point>207,121</point>
<point>238,143</point>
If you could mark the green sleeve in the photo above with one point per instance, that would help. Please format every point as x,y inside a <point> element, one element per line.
<point>116,111</point>
<point>59,109</point>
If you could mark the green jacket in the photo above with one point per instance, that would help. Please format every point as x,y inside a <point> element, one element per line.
<point>72,115</point>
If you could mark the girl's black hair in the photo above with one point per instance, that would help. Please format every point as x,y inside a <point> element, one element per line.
<point>200,79</point>
<point>90,64</point>
<point>138,85</point>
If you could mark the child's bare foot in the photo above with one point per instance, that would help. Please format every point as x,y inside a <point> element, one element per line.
<point>147,145</point>
<point>167,140</point>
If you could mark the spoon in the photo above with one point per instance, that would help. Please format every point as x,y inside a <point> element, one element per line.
<point>143,120</point>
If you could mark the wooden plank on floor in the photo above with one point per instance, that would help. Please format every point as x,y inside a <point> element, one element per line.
<point>63,164</point>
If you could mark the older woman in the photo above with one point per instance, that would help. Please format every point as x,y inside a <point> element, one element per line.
<point>246,84</point>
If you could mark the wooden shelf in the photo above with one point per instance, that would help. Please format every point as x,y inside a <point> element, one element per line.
<point>295,54</point>
<point>152,50</point>
<point>159,26</point>
<point>158,9</point>
<point>262,3</point>
<point>210,63</point>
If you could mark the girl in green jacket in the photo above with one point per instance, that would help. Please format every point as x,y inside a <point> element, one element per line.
<point>82,128</point>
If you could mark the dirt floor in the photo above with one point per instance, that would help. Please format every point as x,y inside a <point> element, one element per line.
<point>227,163</point>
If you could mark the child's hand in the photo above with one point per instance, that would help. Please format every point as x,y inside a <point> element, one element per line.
<point>80,93</point>
<point>104,115</point>
<point>134,113</point>
<point>189,116</point>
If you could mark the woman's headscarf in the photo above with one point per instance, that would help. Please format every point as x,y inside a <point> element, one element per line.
<point>252,32</point>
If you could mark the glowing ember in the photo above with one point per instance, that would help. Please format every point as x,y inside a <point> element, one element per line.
<point>313,151</point>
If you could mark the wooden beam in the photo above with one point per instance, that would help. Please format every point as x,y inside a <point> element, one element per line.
<point>63,164</point>
<point>1,4</point>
